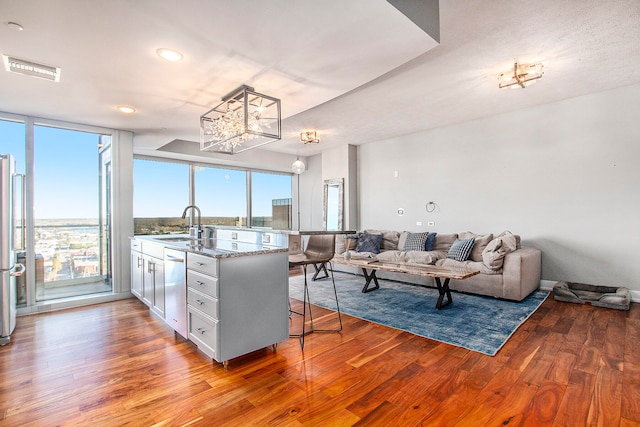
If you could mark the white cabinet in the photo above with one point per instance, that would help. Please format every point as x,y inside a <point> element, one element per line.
<point>136,268</point>
<point>147,274</point>
<point>237,304</point>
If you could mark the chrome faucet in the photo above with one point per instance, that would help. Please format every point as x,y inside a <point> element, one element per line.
<point>194,232</point>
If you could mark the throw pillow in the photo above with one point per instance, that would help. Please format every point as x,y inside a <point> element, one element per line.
<point>461,249</point>
<point>369,243</point>
<point>389,239</point>
<point>481,242</point>
<point>493,255</point>
<point>402,239</point>
<point>428,243</point>
<point>415,242</point>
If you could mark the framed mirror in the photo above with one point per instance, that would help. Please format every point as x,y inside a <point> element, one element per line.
<point>333,197</point>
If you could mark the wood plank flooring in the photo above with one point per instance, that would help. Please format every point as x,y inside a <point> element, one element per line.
<point>116,364</point>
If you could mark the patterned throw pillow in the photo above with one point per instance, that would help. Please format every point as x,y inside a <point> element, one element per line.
<point>461,249</point>
<point>431,239</point>
<point>369,243</point>
<point>415,242</point>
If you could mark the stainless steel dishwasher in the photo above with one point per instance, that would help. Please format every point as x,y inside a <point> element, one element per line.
<point>175,282</point>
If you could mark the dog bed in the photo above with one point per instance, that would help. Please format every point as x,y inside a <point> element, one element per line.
<point>600,296</point>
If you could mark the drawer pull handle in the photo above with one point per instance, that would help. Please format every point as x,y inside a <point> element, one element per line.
<point>199,282</point>
<point>200,263</point>
<point>201,330</point>
<point>199,301</point>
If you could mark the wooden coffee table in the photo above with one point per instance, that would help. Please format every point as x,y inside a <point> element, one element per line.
<point>369,268</point>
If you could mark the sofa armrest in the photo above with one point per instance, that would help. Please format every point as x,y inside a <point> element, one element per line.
<point>521,273</point>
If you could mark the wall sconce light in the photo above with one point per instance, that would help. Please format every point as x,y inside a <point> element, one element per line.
<point>309,136</point>
<point>521,75</point>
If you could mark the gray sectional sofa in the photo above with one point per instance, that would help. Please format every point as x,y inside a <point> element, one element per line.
<point>507,270</point>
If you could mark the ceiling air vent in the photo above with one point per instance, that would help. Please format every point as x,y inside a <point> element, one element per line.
<point>28,68</point>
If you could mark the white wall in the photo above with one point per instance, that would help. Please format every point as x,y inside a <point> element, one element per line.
<point>122,206</point>
<point>564,176</point>
<point>311,193</point>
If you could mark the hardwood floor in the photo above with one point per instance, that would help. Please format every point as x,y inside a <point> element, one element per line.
<point>117,364</point>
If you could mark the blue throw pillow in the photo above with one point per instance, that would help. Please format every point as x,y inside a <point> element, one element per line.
<point>461,249</point>
<point>431,239</point>
<point>415,242</point>
<point>369,243</point>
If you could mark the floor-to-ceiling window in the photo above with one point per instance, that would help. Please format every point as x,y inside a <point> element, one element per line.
<point>67,209</point>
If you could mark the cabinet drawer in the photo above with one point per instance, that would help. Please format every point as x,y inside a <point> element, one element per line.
<point>203,331</point>
<point>204,303</point>
<point>136,245</point>
<point>203,264</point>
<point>206,284</point>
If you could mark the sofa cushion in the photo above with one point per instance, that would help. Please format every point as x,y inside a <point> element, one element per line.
<point>362,255</point>
<point>493,255</point>
<point>415,242</point>
<point>369,243</point>
<point>444,241</point>
<point>461,249</point>
<point>518,243</point>
<point>423,257</point>
<point>389,239</point>
<point>466,265</point>
<point>481,242</point>
<point>431,239</point>
<point>392,256</point>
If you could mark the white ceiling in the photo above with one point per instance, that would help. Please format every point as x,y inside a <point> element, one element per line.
<point>356,70</point>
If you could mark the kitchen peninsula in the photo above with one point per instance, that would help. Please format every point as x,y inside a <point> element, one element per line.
<point>227,294</point>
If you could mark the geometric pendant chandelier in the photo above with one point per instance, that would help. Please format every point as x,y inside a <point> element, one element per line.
<point>243,120</point>
<point>521,75</point>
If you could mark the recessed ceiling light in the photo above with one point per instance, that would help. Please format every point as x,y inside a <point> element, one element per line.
<point>126,109</point>
<point>169,55</point>
<point>15,26</point>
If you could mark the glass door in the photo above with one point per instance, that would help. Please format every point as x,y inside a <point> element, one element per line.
<point>71,201</point>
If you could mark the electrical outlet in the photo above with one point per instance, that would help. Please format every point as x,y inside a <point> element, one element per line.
<point>431,223</point>
<point>418,222</point>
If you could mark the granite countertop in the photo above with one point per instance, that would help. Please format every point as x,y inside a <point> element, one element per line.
<point>215,248</point>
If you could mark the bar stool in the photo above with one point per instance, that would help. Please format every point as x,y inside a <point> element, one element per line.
<point>320,250</point>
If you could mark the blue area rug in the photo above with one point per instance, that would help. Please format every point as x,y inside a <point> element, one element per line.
<point>482,324</point>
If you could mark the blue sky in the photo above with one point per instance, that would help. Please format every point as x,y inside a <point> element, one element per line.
<point>66,179</point>
<point>66,162</point>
